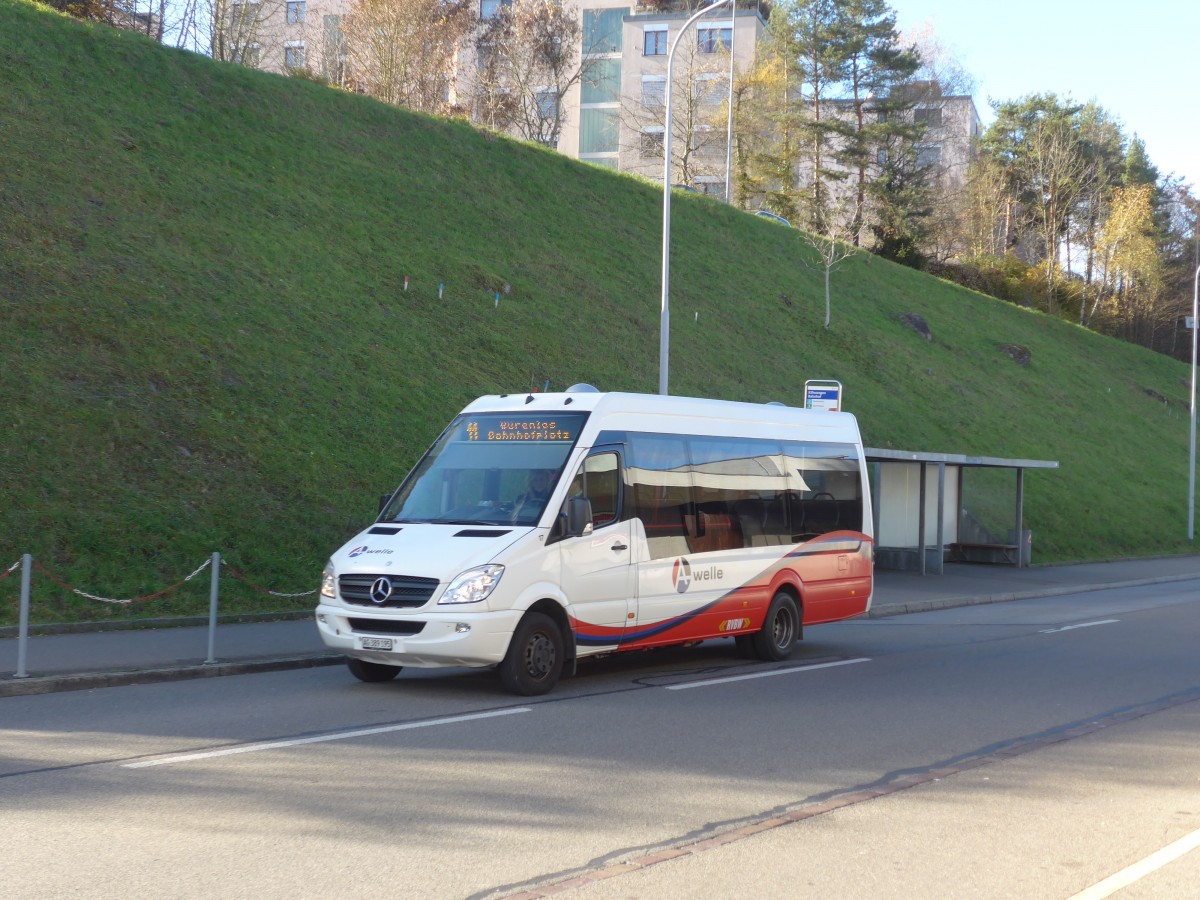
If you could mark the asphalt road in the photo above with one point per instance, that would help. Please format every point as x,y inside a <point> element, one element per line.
<point>1025,749</point>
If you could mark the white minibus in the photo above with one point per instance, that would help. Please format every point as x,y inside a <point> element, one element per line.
<point>543,528</point>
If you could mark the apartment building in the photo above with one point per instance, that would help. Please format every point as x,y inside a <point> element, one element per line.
<point>952,125</point>
<point>614,116</point>
<point>621,102</point>
<point>272,35</point>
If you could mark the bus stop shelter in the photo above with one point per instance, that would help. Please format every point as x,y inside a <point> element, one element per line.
<point>919,516</point>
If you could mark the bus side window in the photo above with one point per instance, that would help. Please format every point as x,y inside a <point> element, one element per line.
<point>601,486</point>
<point>660,476</point>
<point>827,488</point>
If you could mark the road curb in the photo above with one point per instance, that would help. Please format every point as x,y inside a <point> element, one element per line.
<point>86,681</point>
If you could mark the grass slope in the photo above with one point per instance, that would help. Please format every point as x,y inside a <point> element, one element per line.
<point>207,344</point>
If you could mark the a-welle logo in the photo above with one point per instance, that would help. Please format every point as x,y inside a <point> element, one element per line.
<point>682,574</point>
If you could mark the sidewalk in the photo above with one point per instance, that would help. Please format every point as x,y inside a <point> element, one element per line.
<point>110,658</point>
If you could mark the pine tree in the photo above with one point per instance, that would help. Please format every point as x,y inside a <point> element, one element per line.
<point>875,64</point>
<point>811,36</point>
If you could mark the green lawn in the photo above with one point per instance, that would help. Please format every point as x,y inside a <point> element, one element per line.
<point>207,344</point>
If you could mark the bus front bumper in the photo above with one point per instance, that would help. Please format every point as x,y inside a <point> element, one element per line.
<point>451,638</point>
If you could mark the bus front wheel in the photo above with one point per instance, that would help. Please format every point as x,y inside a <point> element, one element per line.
<point>780,629</point>
<point>534,660</point>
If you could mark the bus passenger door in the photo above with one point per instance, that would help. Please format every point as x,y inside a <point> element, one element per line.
<point>597,573</point>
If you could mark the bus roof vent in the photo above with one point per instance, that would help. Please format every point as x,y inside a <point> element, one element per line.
<point>775,403</point>
<point>582,388</point>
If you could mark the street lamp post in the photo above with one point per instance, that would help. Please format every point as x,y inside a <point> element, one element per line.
<point>729,126</point>
<point>1192,407</point>
<point>664,328</point>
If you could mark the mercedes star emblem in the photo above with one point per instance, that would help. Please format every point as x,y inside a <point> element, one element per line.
<point>381,590</point>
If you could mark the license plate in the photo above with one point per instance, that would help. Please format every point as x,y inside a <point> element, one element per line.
<point>377,643</point>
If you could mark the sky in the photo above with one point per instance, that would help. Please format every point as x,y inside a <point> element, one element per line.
<point>1139,60</point>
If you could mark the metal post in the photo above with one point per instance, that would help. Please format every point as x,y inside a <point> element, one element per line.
<point>1021,560</point>
<point>1192,406</point>
<point>921,522</point>
<point>664,325</point>
<point>23,616</point>
<point>941,519</point>
<point>877,500</point>
<point>959,518</point>
<point>729,127</point>
<point>213,591</point>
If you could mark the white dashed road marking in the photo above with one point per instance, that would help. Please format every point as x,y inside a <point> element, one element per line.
<point>336,736</point>
<point>788,671</point>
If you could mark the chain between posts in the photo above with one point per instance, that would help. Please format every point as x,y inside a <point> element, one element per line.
<point>165,591</point>
<point>236,573</point>
<point>131,600</point>
<point>27,563</point>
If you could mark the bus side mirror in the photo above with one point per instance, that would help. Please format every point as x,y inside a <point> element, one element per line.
<point>579,516</point>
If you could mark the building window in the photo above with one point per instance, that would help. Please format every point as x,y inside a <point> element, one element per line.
<point>489,8</point>
<point>483,56</point>
<point>654,40</point>
<point>598,130</point>
<point>929,156</point>
<point>547,104</point>
<point>293,55</point>
<point>602,83</point>
<point>242,14</point>
<point>602,30</point>
<point>295,12</point>
<point>654,91</point>
<point>711,186</point>
<point>712,89</point>
<point>712,38</point>
<point>931,117</point>
<point>248,56</point>
<point>650,142</point>
<point>709,142</point>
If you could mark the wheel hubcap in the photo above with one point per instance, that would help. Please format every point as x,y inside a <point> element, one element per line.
<point>539,656</point>
<point>783,630</point>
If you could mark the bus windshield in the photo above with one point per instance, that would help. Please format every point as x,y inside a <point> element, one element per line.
<point>488,469</point>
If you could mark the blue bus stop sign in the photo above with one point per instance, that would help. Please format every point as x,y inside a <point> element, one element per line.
<point>826,395</point>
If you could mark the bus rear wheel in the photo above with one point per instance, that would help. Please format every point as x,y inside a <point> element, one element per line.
<point>780,629</point>
<point>534,660</point>
<point>371,672</point>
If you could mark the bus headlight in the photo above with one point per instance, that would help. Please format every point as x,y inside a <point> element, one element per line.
<point>328,584</point>
<point>473,585</point>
